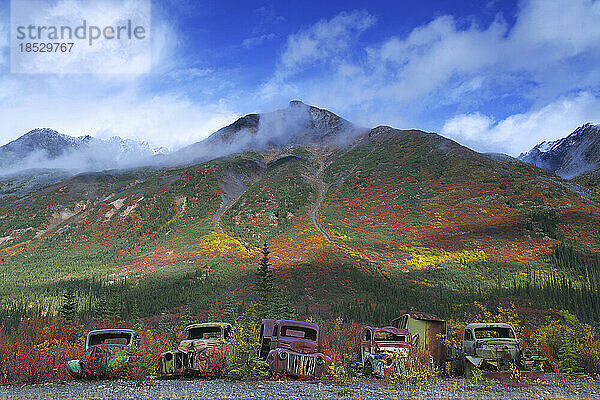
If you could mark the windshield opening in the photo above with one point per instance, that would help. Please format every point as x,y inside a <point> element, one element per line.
<point>494,333</point>
<point>382,336</point>
<point>204,332</point>
<point>299,332</point>
<point>122,339</point>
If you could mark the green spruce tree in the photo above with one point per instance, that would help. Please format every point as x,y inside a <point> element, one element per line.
<point>135,311</point>
<point>246,363</point>
<point>115,310</point>
<point>101,307</point>
<point>265,285</point>
<point>567,356</point>
<point>281,307</point>
<point>68,310</point>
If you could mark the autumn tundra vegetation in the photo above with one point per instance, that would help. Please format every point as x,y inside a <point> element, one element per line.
<point>343,238</point>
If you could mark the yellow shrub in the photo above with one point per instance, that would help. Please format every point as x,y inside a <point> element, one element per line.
<point>429,256</point>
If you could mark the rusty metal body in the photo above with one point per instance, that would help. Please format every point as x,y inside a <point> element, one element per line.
<point>494,349</point>
<point>202,352</point>
<point>385,351</point>
<point>429,334</point>
<point>106,352</point>
<point>291,348</point>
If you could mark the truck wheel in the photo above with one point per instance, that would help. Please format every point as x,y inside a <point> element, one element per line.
<point>470,370</point>
<point>368,369</point>
<point>355,368</point>
<point>520,360</point>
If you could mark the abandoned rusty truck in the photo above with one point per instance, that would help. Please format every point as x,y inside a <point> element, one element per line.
<point>291,348</point>
<point>493,349</point>
<point>202,352</point>
<point>490,348</point>
<point>107,351</point>
<point>385,351</point>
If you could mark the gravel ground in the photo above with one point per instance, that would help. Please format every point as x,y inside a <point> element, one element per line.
<point>224,389</point>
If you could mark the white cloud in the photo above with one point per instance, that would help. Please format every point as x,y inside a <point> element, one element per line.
<point>129,54</point>
<point>4,35</point>
<point>551,50</point>
<point>467,126</point>
<point>421,79</point>
<point>323,40</point>
<point>257,40</point>
<point>126,105</point>
<point>430,56</point>
<point>78,107</point>
<point>521,132</point>
<point>569,28</point>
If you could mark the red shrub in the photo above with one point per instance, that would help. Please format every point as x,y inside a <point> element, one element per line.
<point>38,351</point>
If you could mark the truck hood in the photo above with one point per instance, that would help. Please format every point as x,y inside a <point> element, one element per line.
<point>298,345</point>
<point>198,344</point>
<point>401,348</point>
<point>106,350</point>
<point>399,351</point>
<point>498,341</point>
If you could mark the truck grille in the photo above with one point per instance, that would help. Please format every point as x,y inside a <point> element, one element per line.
<point>301,365</point>
<point>177,363</point>
<point>183,360</point>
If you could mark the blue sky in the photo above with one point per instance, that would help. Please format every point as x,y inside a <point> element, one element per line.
<point>496,76</point>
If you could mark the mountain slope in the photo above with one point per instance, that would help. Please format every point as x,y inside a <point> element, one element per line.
<point>569,157</point>
<point>45,140</point>
<point>48,149</point>
<point>298,124</point>
<point>401,217</point>
<point>410,199</point>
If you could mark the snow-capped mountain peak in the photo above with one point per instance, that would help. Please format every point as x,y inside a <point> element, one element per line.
<point>160,150</point>
<point>547,146</point>
<point>47,148</point>
<point>571,156</point>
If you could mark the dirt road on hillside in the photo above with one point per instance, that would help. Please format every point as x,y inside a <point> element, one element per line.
<point>226,204</point>
<point>321,187</point>
<point>319,184</point>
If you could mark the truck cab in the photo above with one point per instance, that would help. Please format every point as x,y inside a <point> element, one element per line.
<point>203,351</point>
<point>385,351</point>
<point>106,351</point>
<point>291,348</point>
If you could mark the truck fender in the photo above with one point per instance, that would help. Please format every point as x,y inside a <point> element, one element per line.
<point>76,369</point>
<point>118,362</point>
<point>373,365</point>
<point>476,361</point>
